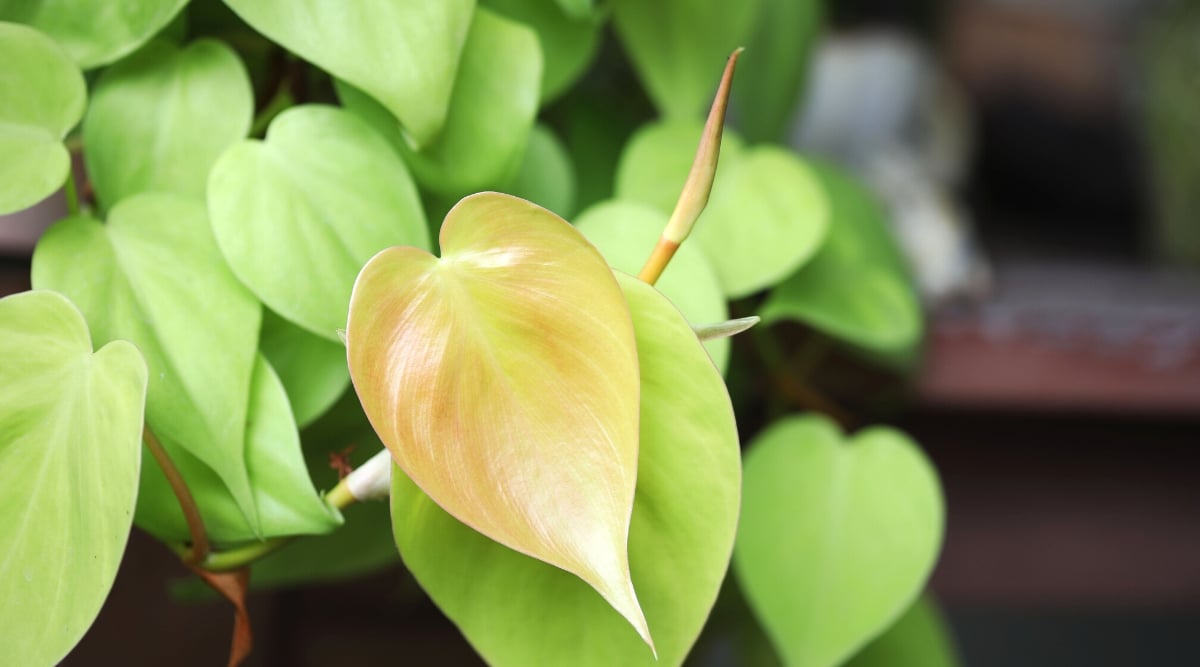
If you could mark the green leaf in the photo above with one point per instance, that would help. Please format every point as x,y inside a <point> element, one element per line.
<point>94,32</point>
<point>145,277</point>
<point>404,53</point>
<point>837,537</point>
<point>44,96</point>
<point>626,232</point>
<point>297,215</point>
<point>491,112</point>
<point>312,369</point>
<point>546,176</point>
<point>284,497</point>
<point>774,69</point>
<point>151,124</point>
<point>519,611</point>
<point>856,288</point>
<point>920,637</point>
<point>70,424</point>
<point>477,368</point>
<point>678,47</point>
<point>569,41</point>
<point>577,8</point>
<point>767,214</point>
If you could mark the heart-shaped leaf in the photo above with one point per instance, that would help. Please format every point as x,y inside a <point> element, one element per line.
<point>404,53</point>
<point>297,215</point>
<point>491,112</point>
<point>857,287</point>
<point>836,538</point>
<point>151,125</point>
<point>775,67</point>
<point>625,232</point>
<point>503,378</point>
<point>920,637</point>
<point>767,214</point>
<point>44,95</point>
<point>70,428</point>
<point>677,48</point>
<point>546,176</point>
<point>94,32</point>
<point>313,369</point>
<point>569,42</point>
<point>518,611</point>
<point>144,277</point>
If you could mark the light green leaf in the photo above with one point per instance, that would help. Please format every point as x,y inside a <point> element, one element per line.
<point>519,611</point>
<point>70,424</point>
<point>837,537</point>
<point>569,41</point>
<point>774,68</point>
<point>313,369</point>
<point>94,32</point>
<point>767,214</point>
<point>626,232</point>
<point>577,8</point>
<point>491,112</point>
<point>404,53</point>
<point>43,95</point>
<point>546,176</point>
<point>856,288</point>
<point>154,276</point>
<point>920,637</point>
<point>153,124</point>
<point>297,215</point>
<point>678,47</point>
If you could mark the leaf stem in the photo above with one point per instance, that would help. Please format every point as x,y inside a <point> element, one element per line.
<point>71,192</point>
<point>199,550</point>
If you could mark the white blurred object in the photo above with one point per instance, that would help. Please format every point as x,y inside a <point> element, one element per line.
<point>878,104</point>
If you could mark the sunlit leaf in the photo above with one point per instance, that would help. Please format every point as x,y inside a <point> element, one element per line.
<point>919,637</point>
<point>837,535</point>
<point>625,232</point>
<point>491,111</point>
<point>297,215</point>
<point>70,427</point>
<point>151,123</point>
<point>503,378</point>
<point>518,611</point>
<point>655,162</point>
<point>678,46</point>
<point>856,288</point>
<point>775,67</point>
<point>44,95</point>
<point>546,176</point>
<point>94,32</point>
<point>153,275</point>
<point>313,369</point>
<point>569,41</point>
<point>404,53</point>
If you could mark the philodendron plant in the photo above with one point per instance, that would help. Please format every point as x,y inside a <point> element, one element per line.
<point>315,233</point>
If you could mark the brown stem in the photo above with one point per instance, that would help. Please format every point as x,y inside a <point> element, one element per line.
<point>191,513</point>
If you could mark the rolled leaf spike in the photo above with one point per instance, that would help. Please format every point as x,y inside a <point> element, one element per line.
<point>503,377</point>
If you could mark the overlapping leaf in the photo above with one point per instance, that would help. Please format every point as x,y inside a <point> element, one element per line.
<point>70,428</point>
<point>297,215</point>
<point>683,524</point>
<point>546,176</point>
<point>94,32</point>
<point>312,369</point>
<point>503,378</point>
<point>491,112</point>
<point>775,67</point>
<point>569,41</point>
<point>44,95</point>
<point>836,538</point>
<point>626,233</point>
<point>919,637</point>
<point>404,53</point>
<point>152,126</point>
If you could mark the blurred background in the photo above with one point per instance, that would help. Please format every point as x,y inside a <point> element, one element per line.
<point>1041,162</point>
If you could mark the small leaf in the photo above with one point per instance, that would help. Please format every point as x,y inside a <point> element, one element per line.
<point>677,48</point>
<point>503,378</point>
<point>856,288</point>
<point>920,637</point>
<point>546,176</point>
<point>656,161</point>
<point>517,611</point>
<point>626,233</point>
<point>569,41</point>
<point>776,66</point>
<point>151,124</point>
<point>726,329</point>
<point>312,369</point>
<point>404,53</point>
<point>70,428</point>
<point>836,538</point>
<point>491,112</point>
<point>93,31</point>
<point>298,214</point>
<point>44,96</point>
